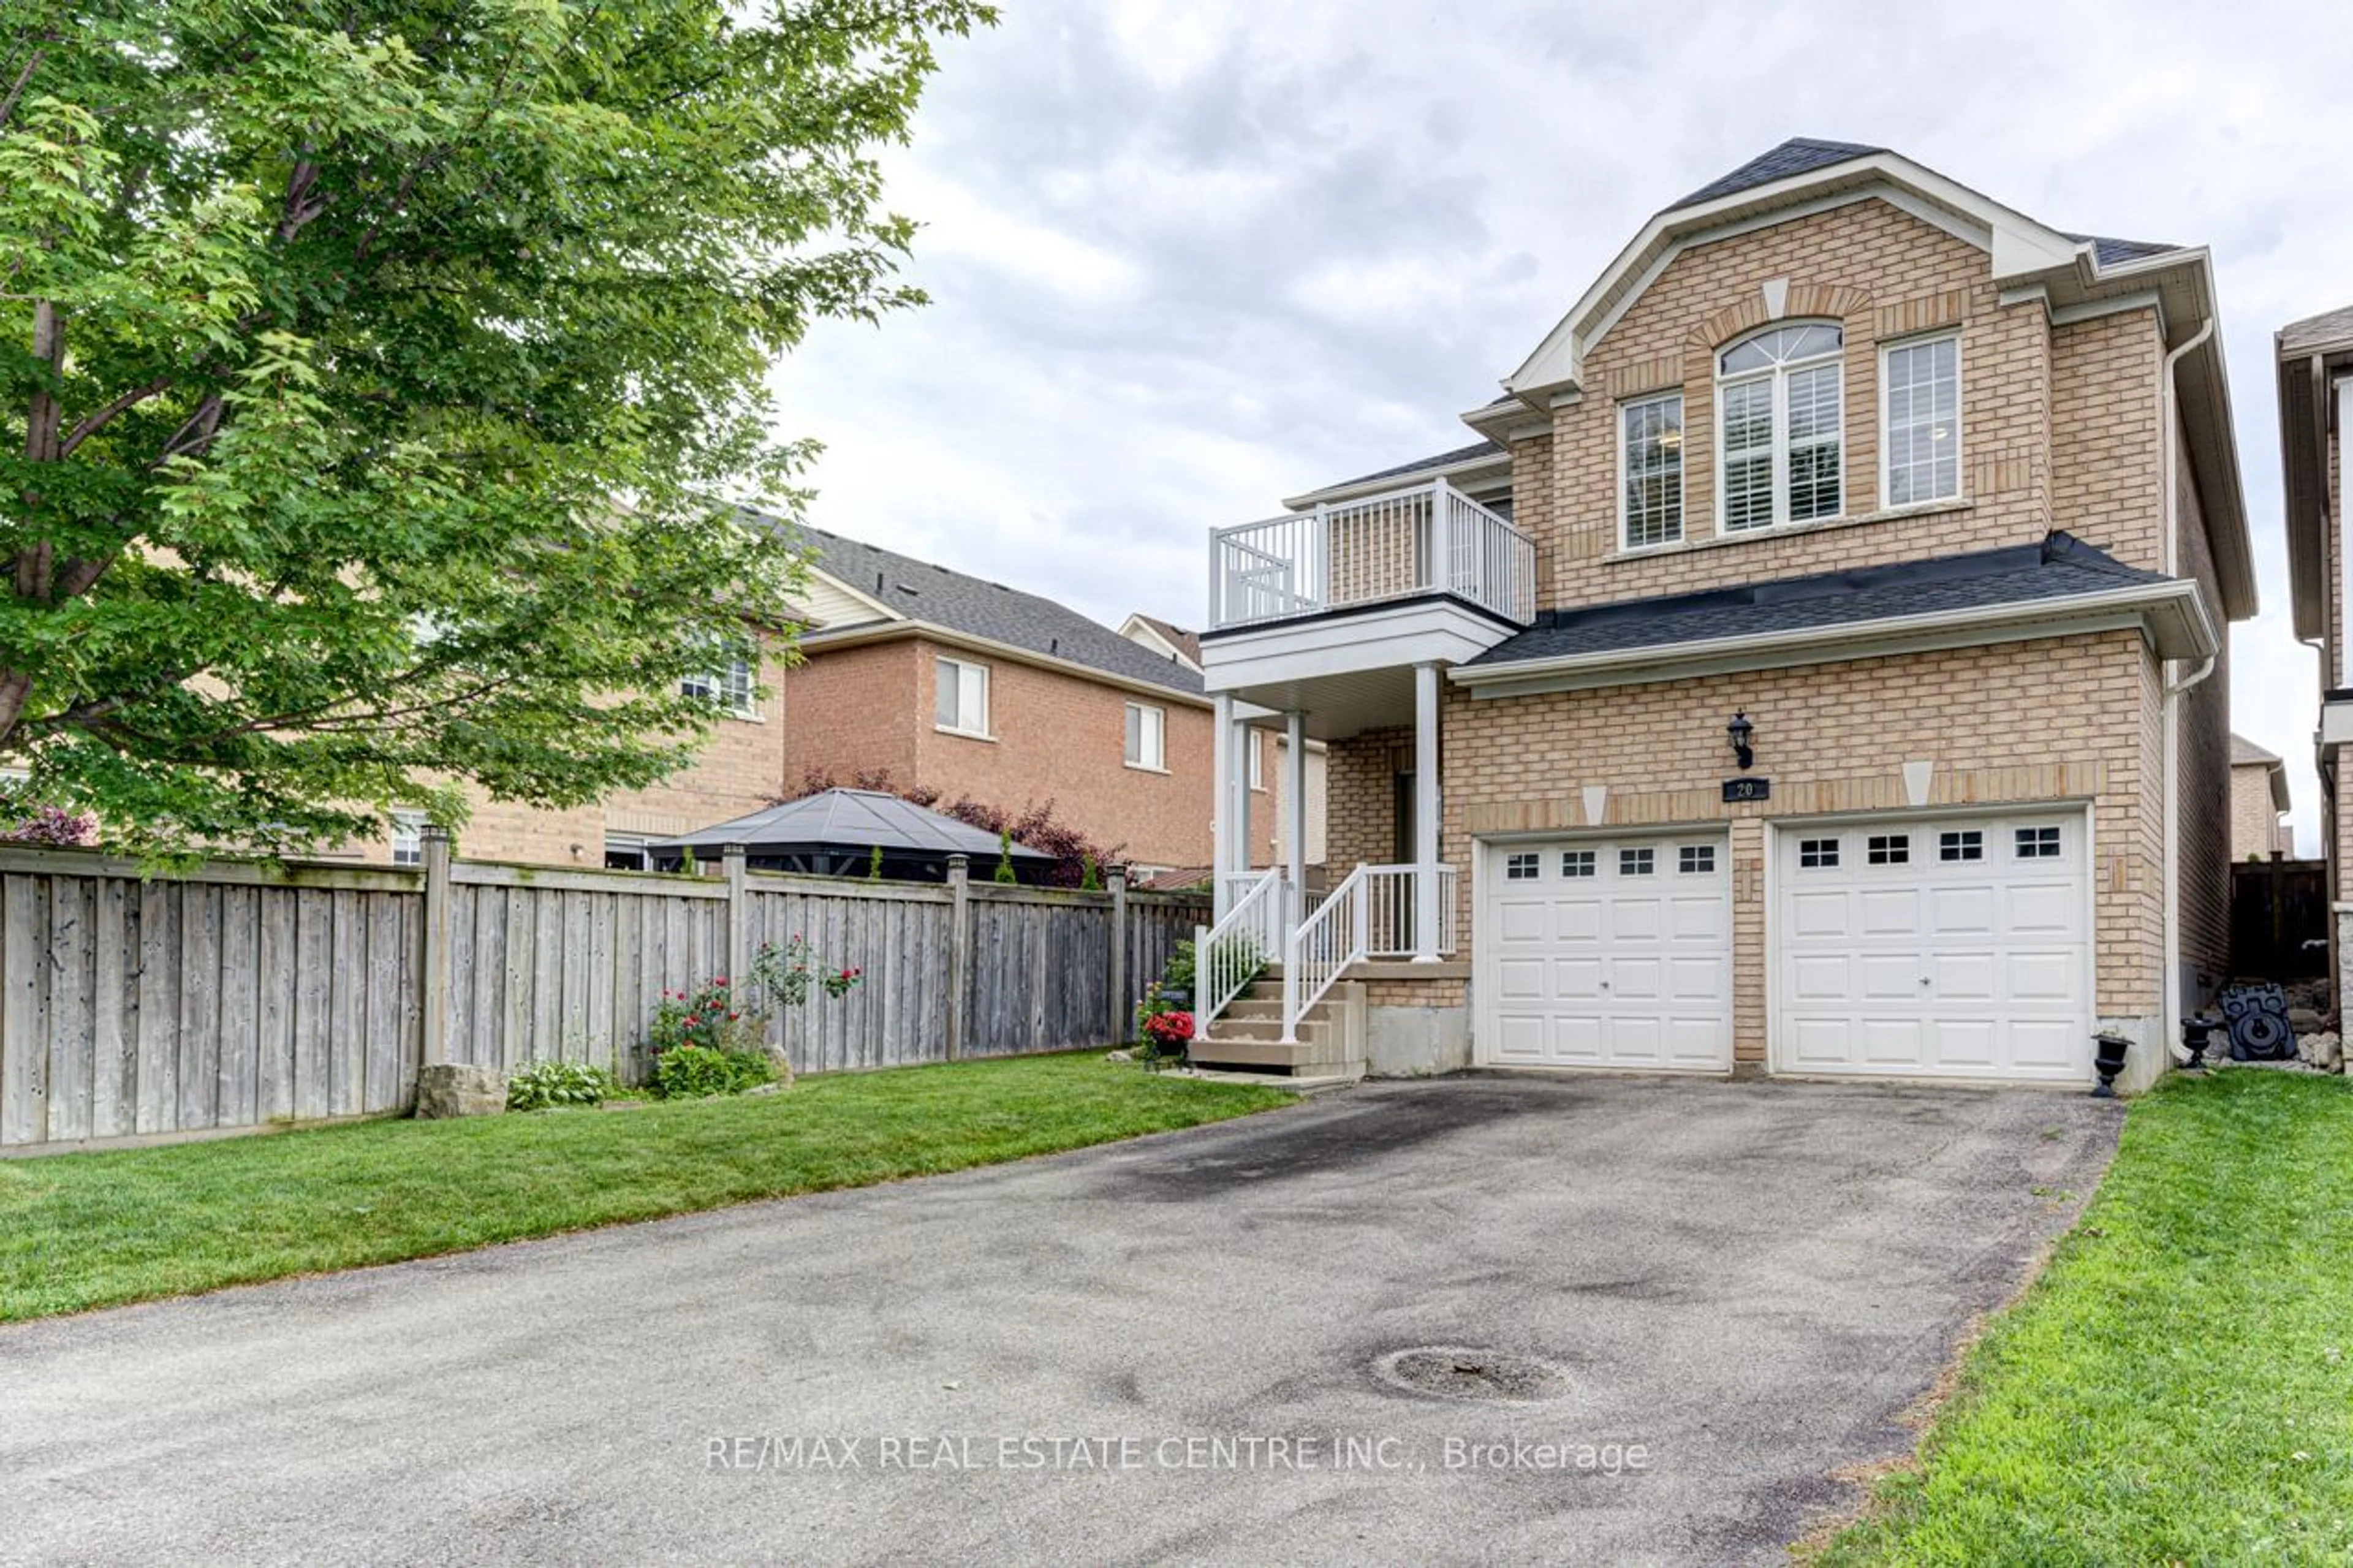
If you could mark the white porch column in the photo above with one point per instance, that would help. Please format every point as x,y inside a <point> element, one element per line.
<point>1237,787</point>
<point>1295,803</point>
<point>1425,813</point>
<point>1221,800</point>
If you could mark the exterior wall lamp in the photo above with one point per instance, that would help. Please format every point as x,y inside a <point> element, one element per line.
<point>1740,729</point>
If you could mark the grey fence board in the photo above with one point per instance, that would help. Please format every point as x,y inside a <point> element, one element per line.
<point>238,996</point>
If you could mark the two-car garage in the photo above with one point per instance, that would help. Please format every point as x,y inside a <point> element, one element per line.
<point>1943,946</point>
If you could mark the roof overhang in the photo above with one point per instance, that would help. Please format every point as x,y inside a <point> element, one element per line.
<point>1489,470</point>
<point>2309,377</point>
<point>2172,615</point>
<point>2028,260</point>
<point>866,633</point>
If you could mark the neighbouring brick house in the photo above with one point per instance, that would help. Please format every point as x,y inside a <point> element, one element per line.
<point>2316,401</point>
<point>2259,802</point>
<point>1821,668</point>
<point>912,676</point>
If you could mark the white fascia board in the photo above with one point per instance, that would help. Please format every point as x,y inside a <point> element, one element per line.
<point>2015,240</point>
<point>1400,637</point>
<point>2172,615</point>
<point>2336,722</point>
<point>863,634</point>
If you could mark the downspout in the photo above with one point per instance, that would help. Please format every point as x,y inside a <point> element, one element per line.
<point>2169,1004</point>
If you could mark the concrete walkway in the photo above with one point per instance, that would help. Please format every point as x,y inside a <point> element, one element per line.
<point>1159,1350</point>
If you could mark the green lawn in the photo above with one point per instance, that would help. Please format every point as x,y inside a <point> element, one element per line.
<point>93,1230</point>
<point>2177,1388</point>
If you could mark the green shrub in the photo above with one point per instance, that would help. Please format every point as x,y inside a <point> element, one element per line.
<point>1005,872</point>
<point>694,1072</point>
<point>544,1084</point>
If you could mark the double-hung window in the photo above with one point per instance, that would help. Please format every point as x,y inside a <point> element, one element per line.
<point>727,687</point>
<point>1148,737</point>
<point>1781,396</point>
<point>1651,460</point>
<point>407,837</point>
<point>962,702</point>
<point>1923,443</point>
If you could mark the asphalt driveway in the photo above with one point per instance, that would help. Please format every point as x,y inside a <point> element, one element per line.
<point>1712,1298</point>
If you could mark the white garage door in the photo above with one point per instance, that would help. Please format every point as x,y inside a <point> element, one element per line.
<point>1607,953</point>
<point>1938,948</point>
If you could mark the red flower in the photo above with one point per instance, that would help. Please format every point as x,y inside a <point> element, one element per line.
<point>720,981</point>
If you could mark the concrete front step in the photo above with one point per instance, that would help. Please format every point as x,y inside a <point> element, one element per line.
<point>1232,1028</point>
<point>1303,1059</point>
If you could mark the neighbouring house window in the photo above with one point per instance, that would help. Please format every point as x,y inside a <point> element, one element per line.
<point>408,838</point>
<point>1148,737</point>
<point>1521,868</point>
<point>1636,862</point>
<point>625,852</point>
<point>1576,863</point>
<point>1651,456</point>
<point>1815,854</point>
<point>2038,843</point>
<point>1781,396</point>
<point>1923,439</point>
<point>1964,844</point>
<point>728,686</point>
<point>1888,849</point>
<point>1256,761</point>
<point>1695,860</point>
<point>963,700</point>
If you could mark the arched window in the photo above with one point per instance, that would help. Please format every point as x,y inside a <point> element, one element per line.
<point>1779,400</point>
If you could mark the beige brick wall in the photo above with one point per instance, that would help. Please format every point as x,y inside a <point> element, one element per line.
<point>2204,741</point>
<point>2077,715</point>
<point>2255,827</point>
<point>1883,275</point>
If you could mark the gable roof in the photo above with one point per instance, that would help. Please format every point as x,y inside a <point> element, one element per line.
<point>1187,644</point>
<point>2243,751</point>
<point>2031,579</point>
<point>2311,354</point>
<point>1798,155</point>
<point>930,595</point>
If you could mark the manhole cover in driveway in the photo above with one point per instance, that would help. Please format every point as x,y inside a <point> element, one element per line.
<point>1466,1372</point>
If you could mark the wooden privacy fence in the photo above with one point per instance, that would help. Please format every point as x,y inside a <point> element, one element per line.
<point>239,996</point>
<point>2279,919</point>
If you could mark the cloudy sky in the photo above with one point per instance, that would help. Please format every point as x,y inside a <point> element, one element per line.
<point>1189,257</point>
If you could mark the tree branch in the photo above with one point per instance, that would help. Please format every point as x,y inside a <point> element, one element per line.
<point>98,419</point>
<point>17,88</point>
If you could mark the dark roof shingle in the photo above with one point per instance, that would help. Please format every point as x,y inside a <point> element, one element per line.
<point>1424,465</point>
<point>1798,155</point>
<point>977,607</point>
<point>2061,567</point>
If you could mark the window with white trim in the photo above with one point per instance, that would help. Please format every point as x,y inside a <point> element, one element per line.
<point>1523,867</point>
<point>1888,849</point>
<point>728,688</point>
<point>961,702</point>
<point>408,838</point>
<point>1636,862</point>
<point>1695,860</point>
<point>1148,737</point>
<point>1817,854</point>
<point>1781,439</point>
<point>1650,457</point>
<point>1961,844</point>
<point>1576,863</point>
<point>1921,394</point>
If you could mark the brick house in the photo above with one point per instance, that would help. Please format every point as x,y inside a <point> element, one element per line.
<point>2258,801</point>
<point>911,675</point>
<point>1820,668</point>
<point>2316,400</point>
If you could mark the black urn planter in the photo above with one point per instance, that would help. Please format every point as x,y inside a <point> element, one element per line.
<point>2108,1061</point>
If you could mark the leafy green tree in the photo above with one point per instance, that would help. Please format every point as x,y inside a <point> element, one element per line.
<point>367,371</point>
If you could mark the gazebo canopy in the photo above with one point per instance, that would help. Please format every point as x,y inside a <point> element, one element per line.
<point>836,831</point>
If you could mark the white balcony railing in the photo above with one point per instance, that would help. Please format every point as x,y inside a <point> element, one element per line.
<point>1424,539</point>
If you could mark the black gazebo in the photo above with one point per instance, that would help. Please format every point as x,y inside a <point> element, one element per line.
<point>835,832</point>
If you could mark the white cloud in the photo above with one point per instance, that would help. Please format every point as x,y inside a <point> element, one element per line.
<point>1191,256</point>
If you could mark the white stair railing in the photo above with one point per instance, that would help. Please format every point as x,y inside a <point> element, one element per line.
<point>1369,915</point>
<point>1229,955</point>
<point>1321,949</point>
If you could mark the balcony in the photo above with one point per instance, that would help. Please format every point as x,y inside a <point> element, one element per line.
<point>1421,541</point>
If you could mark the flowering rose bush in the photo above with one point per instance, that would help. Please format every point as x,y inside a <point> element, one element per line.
<point>1170,1030</point>
<point>709,1016</point>
<point>787,971</point>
